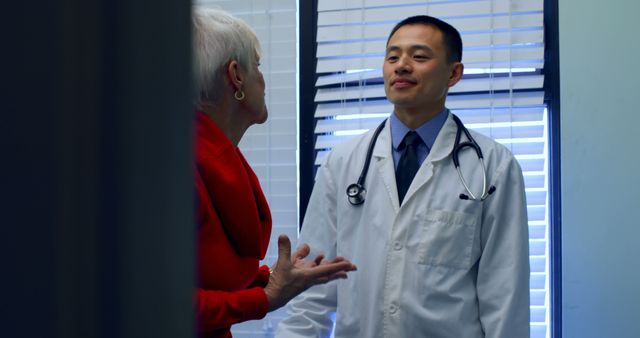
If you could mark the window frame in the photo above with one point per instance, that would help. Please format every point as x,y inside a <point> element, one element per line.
<point>552,99</point>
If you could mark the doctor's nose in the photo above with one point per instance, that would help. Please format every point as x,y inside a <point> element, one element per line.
<point>402,66</point>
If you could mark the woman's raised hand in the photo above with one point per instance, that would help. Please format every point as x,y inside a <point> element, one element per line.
<point>293,274</point>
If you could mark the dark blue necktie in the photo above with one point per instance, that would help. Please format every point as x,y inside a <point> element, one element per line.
<point>408,164</point>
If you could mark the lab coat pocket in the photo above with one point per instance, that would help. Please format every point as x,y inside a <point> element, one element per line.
<point>446,239</point>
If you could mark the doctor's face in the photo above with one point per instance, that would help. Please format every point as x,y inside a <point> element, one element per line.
<point>417,73</point>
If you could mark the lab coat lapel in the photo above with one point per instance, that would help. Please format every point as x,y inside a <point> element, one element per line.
<point>384,164</point>
<point>443,145</point>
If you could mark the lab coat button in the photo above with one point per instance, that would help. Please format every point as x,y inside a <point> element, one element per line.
<point>393,309</point>
<point>397,246</point>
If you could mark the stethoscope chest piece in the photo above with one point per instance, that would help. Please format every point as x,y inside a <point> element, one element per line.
<point>356,193</point>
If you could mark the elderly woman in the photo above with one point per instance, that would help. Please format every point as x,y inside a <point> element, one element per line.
<point>234,221</point>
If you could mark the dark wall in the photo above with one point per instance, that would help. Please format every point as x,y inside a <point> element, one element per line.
<point>96,209</point>
<point>308,12</point>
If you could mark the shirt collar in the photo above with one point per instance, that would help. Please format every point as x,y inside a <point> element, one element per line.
<point>427,132</point>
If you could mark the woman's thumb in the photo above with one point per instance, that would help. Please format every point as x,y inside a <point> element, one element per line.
<point>284,250</point>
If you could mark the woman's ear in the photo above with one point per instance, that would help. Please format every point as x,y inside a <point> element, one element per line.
<point>235,75</point>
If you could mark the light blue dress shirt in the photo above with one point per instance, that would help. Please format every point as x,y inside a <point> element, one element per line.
<point>427,132</point>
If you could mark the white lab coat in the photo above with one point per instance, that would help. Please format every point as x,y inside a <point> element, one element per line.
<point>438,266</point>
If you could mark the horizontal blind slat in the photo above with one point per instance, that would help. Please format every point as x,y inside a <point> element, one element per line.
<point>336,5</point>
<point>504,131</point>
<point>363,46</point>
<point>256,8</point>
<point>463,25</point>
<point>465,85</point>
<point>448,11</point>
<point>364,77</point>
<point>492,58</point>
<point>464,101</point>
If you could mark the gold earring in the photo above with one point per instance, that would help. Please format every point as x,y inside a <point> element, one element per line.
<point>239,95</point>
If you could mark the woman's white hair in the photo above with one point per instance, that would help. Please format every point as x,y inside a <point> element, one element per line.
<point>219,37</point>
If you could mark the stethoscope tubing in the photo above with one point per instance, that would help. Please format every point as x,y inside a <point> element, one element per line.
<point>457,147</point>
<point>372,144</point>
<point>356,191</point>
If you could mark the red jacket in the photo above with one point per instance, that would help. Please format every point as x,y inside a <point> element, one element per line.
<point>234,227</point>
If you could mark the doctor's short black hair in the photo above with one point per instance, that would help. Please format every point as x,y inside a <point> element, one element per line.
<point>450,35</point>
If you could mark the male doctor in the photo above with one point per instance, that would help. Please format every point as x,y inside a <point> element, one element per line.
<point>430,264</point>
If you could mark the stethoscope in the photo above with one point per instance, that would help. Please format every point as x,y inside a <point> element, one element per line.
<point>356,191</point>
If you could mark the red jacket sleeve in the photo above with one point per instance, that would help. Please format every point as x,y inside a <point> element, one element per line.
<point>262,278</point>
<point>221,309</point>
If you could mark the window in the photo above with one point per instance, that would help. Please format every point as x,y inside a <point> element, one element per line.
<point>501,94</point>
<point>271,148</point>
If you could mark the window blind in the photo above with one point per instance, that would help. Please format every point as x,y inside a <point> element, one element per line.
<point>501,93</point>
<point>271,148</point>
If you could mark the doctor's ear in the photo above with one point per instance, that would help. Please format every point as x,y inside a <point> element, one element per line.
<point>457,70</point>
<point>235,74</point>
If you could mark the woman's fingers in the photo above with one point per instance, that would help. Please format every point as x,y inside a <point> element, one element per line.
<point>319,259</point>
<point>338,259</point>
<point>302,252</point>
<point>284,250</point>
<point>327,269</point>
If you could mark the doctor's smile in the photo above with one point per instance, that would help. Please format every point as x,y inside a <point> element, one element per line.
<point>402,83</point>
